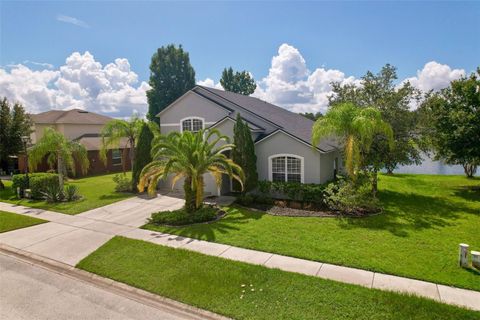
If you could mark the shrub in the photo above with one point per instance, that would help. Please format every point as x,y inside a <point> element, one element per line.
<point>122,183</point>
<point>349,197</point>
<point>19,181</point>
<point>181,217</point>
<point>250,198</point>
<point>71,193</point>
<point>53,193</point>
<point>39,182</point>
<point>142,154</point>
<point>294,191</point>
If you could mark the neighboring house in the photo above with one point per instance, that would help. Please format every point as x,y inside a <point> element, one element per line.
<point>84,127</point>
<point>282,138</point>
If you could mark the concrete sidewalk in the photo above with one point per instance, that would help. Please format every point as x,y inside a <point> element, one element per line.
<point>69,239</point>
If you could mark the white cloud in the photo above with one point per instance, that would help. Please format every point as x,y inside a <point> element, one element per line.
<point>210,83</point>
<point>435,76</point>
<point>82,82</point>
<point>72,20</point>
<point>291,84</point>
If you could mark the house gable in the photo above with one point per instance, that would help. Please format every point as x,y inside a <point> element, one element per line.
<point>190,105</point>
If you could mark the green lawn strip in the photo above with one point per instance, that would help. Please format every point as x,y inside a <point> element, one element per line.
<point>11,221</point>
<point>96,191</point>
<point>417,236</point>
<point>215,284</point>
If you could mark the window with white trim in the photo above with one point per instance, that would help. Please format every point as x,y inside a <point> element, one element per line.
<point>192,124</point>
<point>286,168</point>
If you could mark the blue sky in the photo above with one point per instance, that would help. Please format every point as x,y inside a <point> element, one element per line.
<point>351,37</point>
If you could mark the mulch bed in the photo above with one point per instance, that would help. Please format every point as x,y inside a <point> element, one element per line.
<point>292,212</point>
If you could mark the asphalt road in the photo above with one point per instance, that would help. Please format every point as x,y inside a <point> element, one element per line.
<point>32,292</point>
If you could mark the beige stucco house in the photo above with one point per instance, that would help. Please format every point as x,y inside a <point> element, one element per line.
<point>84,127</point>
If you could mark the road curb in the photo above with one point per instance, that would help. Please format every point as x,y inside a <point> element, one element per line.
<point>120,288</point>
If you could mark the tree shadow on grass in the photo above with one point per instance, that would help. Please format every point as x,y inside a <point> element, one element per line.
<point>207,231</point>
<point>404,213</point>
<point>469,193</point>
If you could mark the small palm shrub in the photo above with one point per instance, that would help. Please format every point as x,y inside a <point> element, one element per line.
<point>351,197</point>
<point>53,193</point>
<point>71,193</point>
<point>39,182</point>
<point>122,183</point>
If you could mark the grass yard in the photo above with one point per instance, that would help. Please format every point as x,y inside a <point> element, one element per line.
<point>215,284</point>
<point>425,218</point>
<point>97,191</point>
<point>11,221</point>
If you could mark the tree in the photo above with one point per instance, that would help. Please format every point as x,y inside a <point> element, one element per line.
<point>312,116</point>
<point>380,91</point>
<point>238,82</point>
<point>244,153</point>
<point>356,129</point>
<point>60,152</point>
<point>452,118</point>
<point>189,155</point>
<point>115,130</point>
<point>142,153</point>
<point>14,124</point>
<point>171,75</point>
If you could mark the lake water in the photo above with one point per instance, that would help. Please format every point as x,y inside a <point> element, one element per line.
<point>429,166</point>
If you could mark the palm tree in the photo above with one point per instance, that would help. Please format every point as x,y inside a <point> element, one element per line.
<point>60,151</point>
<point>356,128</point>
<point>190,156</point>
<point>115,130</point>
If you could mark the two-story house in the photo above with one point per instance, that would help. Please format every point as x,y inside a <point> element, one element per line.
<point>282,138</point>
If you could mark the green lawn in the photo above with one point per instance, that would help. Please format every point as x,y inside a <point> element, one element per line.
<point>11,221</point>
<point>215,284</point>
<point>417,235</point>
<point>97,191</point>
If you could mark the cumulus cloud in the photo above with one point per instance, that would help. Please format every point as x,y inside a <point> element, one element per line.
<point>72,20</point>
<point>291,84</point>
<point>82,82</point>
<point>210,83</point>
<point>435,76</point>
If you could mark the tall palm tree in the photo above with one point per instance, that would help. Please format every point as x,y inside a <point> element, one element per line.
<point>60,151</point>
<point>115,130</point>
<point>190,155</point>
<point>356,128</point>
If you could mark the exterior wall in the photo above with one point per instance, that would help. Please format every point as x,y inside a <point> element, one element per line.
<point>314,162</point>
<point>190,105</point>
<point>225,128</point>
<point>70,131</point>
<point>96,165</point>
<point>73,131</point>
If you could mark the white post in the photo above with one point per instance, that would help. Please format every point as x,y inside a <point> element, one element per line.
<point>476,259</point>
<point>463,255</point>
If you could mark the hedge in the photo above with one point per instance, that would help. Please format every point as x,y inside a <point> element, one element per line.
<point>38,183</point>
<point>313,193</point>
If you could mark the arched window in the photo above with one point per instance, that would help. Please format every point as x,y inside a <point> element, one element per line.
<point>193,124</point>
<point>286,167</point>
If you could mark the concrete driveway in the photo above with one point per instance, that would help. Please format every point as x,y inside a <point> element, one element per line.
<point>69,239</point>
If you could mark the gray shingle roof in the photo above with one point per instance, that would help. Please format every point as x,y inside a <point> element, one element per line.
<point>293,123</point>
